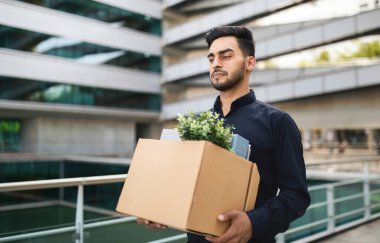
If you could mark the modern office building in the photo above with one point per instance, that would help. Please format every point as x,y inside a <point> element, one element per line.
<point>82,80</point>
<point>84,77</point>
<point>332,101</point>
<point>79,84</point>
<point>78,77</point>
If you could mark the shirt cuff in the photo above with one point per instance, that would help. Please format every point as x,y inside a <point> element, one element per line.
<point>259,221</point>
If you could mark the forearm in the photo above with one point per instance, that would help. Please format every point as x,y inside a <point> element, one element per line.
<point>275,215</point>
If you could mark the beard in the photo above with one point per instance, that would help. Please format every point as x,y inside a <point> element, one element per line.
<point>235,79</point>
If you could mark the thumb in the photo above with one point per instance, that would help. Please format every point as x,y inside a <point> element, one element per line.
<point>229,215</point>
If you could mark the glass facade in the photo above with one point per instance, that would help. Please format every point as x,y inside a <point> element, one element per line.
<point>78,94</point>
<point>24,40</point>
<point>102,12</point>
<point>10,135</point>
<point>355,138</point>
<point>50,92</point>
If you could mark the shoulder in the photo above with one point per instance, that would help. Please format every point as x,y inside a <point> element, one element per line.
<point>276,116</point>
<point>270,110</point>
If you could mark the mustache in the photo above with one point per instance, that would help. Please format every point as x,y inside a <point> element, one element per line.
<point>219,71</point>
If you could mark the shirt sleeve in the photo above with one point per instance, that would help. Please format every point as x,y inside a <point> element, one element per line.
<point>275,215</point>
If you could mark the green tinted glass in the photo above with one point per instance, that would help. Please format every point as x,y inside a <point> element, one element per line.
<point>102,12</point>
<point>50,92</point>
<point>24,40</point>
<point>10,130</point>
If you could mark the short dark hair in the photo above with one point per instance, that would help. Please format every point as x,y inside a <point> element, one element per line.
<point>242,34</point>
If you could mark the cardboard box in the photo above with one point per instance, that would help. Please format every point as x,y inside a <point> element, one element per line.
<point>187,184</point>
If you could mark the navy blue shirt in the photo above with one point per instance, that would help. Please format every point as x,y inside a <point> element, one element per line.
<point>277,150</point>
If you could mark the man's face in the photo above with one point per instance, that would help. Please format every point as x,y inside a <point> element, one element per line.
<point>227,63</point>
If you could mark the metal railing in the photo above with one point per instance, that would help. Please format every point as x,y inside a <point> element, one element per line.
<point>59,183</point>
<point>331,217</point>
<point>331,200</point>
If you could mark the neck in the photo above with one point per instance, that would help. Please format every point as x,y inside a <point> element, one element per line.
<point>229,96</point>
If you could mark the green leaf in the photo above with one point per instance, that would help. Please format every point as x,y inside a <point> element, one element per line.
<point>205,126</point>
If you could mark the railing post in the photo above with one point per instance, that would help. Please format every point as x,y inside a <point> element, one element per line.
<point>330,208</point>
<point>79,216</point>
<point>366,192</point>
<point>280,238</point>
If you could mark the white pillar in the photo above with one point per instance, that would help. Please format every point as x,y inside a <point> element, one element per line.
<point>79,216</point>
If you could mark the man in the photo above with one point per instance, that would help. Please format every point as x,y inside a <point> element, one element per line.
<point>273,135</point>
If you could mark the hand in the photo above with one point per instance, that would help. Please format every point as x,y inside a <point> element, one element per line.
<point>150,224</point>
<point>240,230</point>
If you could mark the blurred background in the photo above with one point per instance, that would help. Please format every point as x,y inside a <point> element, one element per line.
<point>81,81</point>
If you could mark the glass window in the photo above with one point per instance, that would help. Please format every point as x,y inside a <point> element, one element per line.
<point>105,13</point>
<point>50,92</point>
<point>24,40</point>
<point>10,130</point>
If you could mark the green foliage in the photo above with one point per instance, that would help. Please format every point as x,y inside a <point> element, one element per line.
<point>205,126</point>
<point>9,126</point>
<point>305,64</point>
<point>323,57</point>
<point>365,50</point>
<point>269,64</point>
<point>370,50</point>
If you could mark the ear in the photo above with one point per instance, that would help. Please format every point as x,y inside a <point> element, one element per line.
<point>251,62</point>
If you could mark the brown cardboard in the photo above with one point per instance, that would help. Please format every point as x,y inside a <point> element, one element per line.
<point>187,184</point>
<point>252,189</point>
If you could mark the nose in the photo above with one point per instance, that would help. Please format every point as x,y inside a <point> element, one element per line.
<point>217,62</point>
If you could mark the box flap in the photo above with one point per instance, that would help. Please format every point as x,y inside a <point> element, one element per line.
<point>252,188</point>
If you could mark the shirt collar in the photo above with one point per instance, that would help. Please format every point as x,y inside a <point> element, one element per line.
<point>239,102</point>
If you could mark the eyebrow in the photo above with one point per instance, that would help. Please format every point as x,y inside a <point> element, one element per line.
<point>220,52</point>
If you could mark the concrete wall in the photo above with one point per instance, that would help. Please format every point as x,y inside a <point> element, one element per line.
<point>195,92</point>
<point>155,130</point>
<point>44,20</point>
<point>353,109</point>
<point>78,136</point>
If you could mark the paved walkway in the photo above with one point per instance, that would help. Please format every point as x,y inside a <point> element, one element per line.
<point>366,233</point>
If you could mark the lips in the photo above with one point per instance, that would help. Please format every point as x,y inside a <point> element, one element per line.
<point>218,73</point>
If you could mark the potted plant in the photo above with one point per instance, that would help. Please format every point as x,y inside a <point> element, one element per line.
<point>205,126</point>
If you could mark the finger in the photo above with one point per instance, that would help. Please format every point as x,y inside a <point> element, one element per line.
<point>148,226</point>
<point>141,221</point>
<point>153,227</point>
<point>211,239</point>
<point>158,226</point>
<point>223,238</point>
<point>228,215</point>
<point>228,236</point>
<point>144,221</point>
